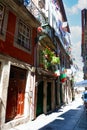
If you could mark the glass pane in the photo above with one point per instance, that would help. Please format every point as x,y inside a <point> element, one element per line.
<point>28,32</point>
<point>1,11</point>
<point>1,16</point>
<point>23,35</point>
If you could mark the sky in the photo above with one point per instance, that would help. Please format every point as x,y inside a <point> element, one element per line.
<point>73,12</point>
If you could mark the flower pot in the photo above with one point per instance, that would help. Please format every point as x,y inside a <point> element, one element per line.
<point>63,80</point>
<point>62,76</point>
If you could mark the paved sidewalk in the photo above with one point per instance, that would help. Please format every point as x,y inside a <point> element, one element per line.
<point>63,119</point>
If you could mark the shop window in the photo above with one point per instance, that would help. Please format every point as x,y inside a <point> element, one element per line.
<point>24,36</point>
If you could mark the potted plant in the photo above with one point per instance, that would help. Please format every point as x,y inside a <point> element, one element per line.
<point>55,60</point>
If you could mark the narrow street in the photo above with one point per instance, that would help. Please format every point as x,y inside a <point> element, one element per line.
<point>69,117</point>
<point>43,57</point>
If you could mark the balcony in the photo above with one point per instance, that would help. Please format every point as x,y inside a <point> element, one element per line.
<point>48,60</point>
<point>48,30</point>
<point>41,3</point>
<point>38,14</point>
<point>46,36</point>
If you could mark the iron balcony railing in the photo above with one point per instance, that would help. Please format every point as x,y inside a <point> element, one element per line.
<point>36,12</point>
<point>40,16</point>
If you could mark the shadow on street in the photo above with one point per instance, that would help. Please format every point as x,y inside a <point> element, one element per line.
<point>69,120</point>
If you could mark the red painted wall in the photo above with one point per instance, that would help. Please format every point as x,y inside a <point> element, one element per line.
<point>7,48</point>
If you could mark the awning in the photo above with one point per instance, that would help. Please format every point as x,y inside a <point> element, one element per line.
<point>81,84</point>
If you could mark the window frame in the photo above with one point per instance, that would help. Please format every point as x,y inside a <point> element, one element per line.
<point>20,45</point>
<point>2,18</point>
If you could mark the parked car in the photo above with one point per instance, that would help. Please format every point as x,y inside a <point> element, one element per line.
<point>84,97</point>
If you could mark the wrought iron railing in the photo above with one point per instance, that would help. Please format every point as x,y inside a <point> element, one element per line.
<point>36,12</point>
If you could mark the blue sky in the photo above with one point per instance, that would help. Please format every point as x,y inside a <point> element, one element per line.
<point>70,3</point>
<point>73,12</point>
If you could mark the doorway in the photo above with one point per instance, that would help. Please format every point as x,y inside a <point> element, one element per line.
<point>48,96</point>
<point>16,92</point>
<point>39,109</point>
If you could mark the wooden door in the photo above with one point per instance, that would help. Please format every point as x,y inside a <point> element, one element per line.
<point>11,101</point>
<point>20,101</point>
<point>16,91</point>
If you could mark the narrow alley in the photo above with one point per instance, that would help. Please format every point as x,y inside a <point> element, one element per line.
<point>43,55</point>
<point>69,117</point>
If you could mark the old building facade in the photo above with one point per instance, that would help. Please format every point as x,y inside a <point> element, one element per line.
<point>84,40</point>
<point>18,30</point>
<point>53,86</point>
<point>35,60</point>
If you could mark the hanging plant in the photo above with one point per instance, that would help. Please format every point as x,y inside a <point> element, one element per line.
<point>41,56</point>
<point>42,59</point>
<point>63,77</point>
<point>48,54</point>
<point>63,80</point>
<point>57,72</point>
<point>39,29</point>
<point>48,58</point>
<point>55,60</point>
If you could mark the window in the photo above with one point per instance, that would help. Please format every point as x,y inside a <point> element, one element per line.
<point>1,16</point>
<point>85,58</point>
<point>24,36</point>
